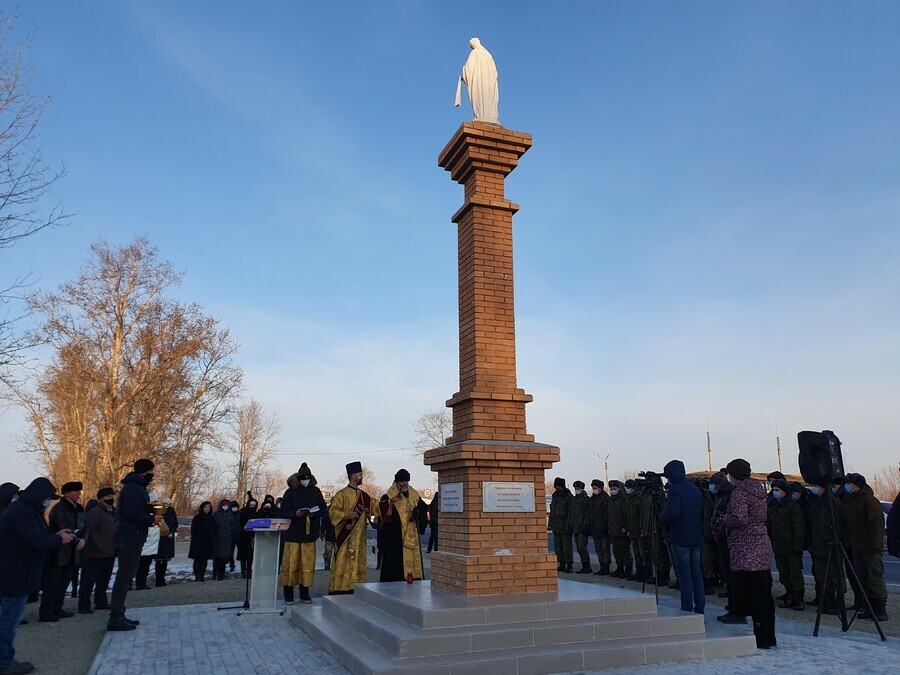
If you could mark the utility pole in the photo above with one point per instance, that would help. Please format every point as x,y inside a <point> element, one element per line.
<point>708,445</point>
<point>778,445</point>
<point>605,459</point>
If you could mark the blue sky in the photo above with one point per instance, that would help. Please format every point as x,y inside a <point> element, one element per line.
<point>708,226</point>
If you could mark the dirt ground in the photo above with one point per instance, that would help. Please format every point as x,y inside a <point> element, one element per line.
<point>68,647</point>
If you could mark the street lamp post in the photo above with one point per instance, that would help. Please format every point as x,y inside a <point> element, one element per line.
<point>605,459</point>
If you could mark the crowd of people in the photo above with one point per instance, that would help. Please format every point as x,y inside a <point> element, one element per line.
<point>722,534</point>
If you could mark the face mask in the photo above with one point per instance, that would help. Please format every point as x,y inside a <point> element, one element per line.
<point>778,495</point>
<point>712,489</point>
<point>234,509</point>
<point>816,491</point>
<point>596,491</point>
<point>628,491</point>
<point>251,506</point>
<point>848,489</point>
<point>45,503</point>
<point>148,477</point>
<point>613,492</point>
<point>578,491</point>
<point>225,508</point>
<point>795,496</point>
<point>305,482</point>
<point>109,503</point>
<point>15,498</point>
<point>267,506</point>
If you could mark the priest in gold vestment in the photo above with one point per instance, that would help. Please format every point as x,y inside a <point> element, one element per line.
<point>403,519</point>
<point>349,513</point>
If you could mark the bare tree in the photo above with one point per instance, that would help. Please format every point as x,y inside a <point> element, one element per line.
<point>133,374</point>
<point>25,179</point>
<point>431,430</point>
<point>253,444</point>
<point>886,483</point>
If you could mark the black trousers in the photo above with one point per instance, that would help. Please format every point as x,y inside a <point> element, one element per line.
<point>219,568</point>
<point>140,577</point>
<point>433,539</point>
<point>753,597</point>
<point>53,590</point>
<point>200,568</point>
<point>95,576</point>
<point>129,559</point>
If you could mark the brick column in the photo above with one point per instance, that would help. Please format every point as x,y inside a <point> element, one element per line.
<point>489,553</point>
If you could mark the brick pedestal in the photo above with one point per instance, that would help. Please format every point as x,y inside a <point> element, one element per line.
<point>489,553</point>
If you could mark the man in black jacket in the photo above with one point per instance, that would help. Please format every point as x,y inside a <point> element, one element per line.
<point>26,543</point>
<point>133,521</point>
<point>66,514</point>
<point>99,555</point>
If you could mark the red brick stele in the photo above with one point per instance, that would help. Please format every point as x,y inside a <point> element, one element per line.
<point>489,553</point>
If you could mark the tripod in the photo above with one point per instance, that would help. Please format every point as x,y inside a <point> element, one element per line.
<point>654,541</point>
<point>837,555</point>
<point>246,604</point>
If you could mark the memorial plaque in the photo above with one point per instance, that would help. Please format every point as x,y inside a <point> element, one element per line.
<point>507,497</point>
<point>451,498</point>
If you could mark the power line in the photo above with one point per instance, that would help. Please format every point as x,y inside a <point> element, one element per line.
<point>343,452</point>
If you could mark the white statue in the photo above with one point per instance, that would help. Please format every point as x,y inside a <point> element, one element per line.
<point>480,76</point>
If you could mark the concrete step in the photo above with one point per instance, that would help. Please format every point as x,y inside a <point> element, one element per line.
<point>404,640</point>
<point>417,605</point>
<point>364,657</point>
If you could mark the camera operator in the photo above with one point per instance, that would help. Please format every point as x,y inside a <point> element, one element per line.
<point>683,533</point>
<point>133,521</point>
<point>26,543</point>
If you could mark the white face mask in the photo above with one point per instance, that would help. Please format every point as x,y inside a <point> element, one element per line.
<point>305,482</point>
<point>596,491</point>
<point>578,491</point>
<point>614,492</point>
<point>225,507</point>
<point>234,509</point>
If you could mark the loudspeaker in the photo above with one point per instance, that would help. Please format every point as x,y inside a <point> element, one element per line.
<point>820,456</point>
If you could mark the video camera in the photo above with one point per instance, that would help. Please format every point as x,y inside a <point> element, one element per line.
<point>649,479</point>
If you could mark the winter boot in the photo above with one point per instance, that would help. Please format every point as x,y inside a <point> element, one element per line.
<point>569,568</point>
<point>798,604</point>
<point>638,570</point>
<point>709,586</point>
<point>881,610</point>
<point>784,596</point>
<point>561,567</point>
<point>604,569</point>
<point>788,600</point>
<point>243,569</point>
<point>288,595</point>
<point>585,568</point>
<point>161,573</point>
<point>304,595</point>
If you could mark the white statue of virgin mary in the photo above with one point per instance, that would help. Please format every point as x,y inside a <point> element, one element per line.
<point>480,76</point>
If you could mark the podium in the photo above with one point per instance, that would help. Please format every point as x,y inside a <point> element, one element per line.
<point>263,595</point>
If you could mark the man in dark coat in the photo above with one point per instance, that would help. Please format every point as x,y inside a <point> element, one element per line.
<point>66,514</point>
<point>304,504</point>
<point>682,519</point>
<point>133,519</point>
<point>433,514</point>
<point>580,518</point>
<point>99,555</point>
<point>600,525</point>
<point>820,530</point>
<point>893,528</point>
<point>9,492</point>
<point>245,542</point>
<point>223,546</point>
<point>618,532</point>
<point>633,526</point>
<point>203,540</point>
<point>787,530</point>
<point>864,531</point>
<point>561,525</point>
<point>26,543</point>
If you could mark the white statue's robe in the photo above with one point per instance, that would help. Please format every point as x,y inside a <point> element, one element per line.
<point>480,76</point>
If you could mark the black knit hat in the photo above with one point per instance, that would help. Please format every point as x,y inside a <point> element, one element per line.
<point>597,483</point>
<point>857,479</point>
<point>782,485</point>
<point>578,484</point>
<point>798,487</point>
<point>304,472</point>
<point>629,483</point>
<point>72,486</point>
<point>739,468</point>
<point>718,479</point>
<point>143,466</point>
<point>615,483</point>
<point>559,482</point>
<point>105,492</point>
<point>775,475</point>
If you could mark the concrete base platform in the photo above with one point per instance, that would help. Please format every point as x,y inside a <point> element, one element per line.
<point>400,627</point>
